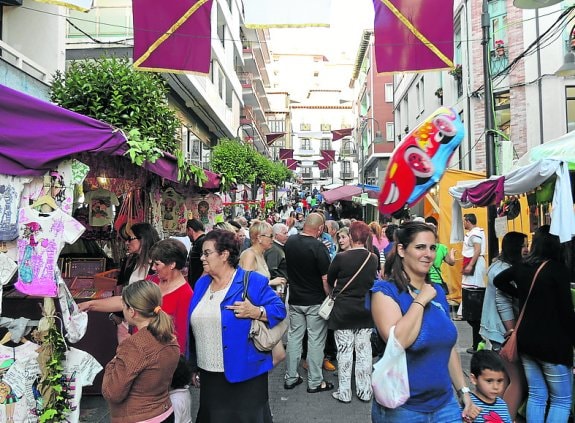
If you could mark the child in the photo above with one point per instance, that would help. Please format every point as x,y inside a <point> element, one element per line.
<point>180,392</point>
<point>488,378</point>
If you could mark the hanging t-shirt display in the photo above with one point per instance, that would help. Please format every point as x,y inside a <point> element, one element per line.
<point>205,208</point>
<point>174,215</point>
<point>19,373</point>
<point>10,190</point>
<point>100,202</point>
<point>8,268</point>
<point>58,183</point>
<point>42,237</point>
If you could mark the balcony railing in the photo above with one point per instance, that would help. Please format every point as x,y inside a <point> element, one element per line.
<point>346,175</point>
<point>17,59</point>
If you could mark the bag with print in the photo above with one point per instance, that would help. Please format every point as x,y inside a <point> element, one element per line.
<point>75,321</point>
<point>389,380</point>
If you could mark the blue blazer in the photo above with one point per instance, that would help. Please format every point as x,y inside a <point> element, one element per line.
<point>242,361</point>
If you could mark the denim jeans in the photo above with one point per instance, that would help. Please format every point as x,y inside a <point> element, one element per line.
<point>547,381</point>
<point>302,318</point>
<point>449,413</point>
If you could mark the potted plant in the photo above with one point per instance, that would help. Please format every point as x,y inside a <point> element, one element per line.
<point>439,93</point>
<point>500,48</point>
<point>456,72</point>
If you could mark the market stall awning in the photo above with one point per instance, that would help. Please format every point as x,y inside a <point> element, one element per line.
<point>562,148</point>
<point>518,181</point>
<point>36,135</point>
<point>346,192</point>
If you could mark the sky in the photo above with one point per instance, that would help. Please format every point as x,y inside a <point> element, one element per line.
<point>348,20</point>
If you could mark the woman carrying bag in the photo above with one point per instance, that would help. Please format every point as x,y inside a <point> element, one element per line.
<point>351,276</point>
<point>545,335</point>
<point>419,313</point>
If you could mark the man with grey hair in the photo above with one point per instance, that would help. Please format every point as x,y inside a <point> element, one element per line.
<point>275,256</point>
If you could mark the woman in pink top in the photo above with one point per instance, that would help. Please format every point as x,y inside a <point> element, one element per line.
<point>379,239</point>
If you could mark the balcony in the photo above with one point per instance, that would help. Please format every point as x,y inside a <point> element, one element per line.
<point>307,175</point>
<point>346,176</point>
<point>324,174</point>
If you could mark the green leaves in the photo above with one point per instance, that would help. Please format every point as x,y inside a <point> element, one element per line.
<point>239,163</point>
<point>142,150</point>
<point>188,172</point>
<point>109,89</point>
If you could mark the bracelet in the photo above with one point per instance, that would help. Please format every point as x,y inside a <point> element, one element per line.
<point>417,302</point>
<point>261,312</point>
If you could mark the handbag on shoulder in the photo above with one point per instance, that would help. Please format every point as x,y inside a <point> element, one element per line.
<point>509,350</point>
<point>327,306</point>
<point>264,337</point>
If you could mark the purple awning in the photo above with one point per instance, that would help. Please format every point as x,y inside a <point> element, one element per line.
<point>345,192</point>
<point>36,135</point>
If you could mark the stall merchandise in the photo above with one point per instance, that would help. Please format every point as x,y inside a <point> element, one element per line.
<point>519,181</point>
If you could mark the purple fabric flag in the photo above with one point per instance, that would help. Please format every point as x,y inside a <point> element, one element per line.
<point>328,155</point>
<point>286,153</point>
<point>338,134</point>
<point>487,193</point>
<point>291,164</point>
<point>271,138</point>
<point>322,164</point>
<point>413,35</point>
<point>172,36</point>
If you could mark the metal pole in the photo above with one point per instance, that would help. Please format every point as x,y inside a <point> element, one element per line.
<point>493,245</point>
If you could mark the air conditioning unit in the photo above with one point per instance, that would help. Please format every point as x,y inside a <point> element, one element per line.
<point>305,127</point>
<point>326,127</point>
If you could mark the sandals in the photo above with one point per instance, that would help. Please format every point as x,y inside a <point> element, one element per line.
<point>324,386</point>
<point>299,381</point>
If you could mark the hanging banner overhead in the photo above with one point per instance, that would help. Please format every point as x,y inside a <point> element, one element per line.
<point>286,153</point>
<point>281,13</point>
<point>172,36</point>
<point>322,164</point>
<point>81,5</point>
<point>408,40</point>
<point>271,138</point>
<point>338,134</point>
<point>328,155</point>
<point>291,164</point>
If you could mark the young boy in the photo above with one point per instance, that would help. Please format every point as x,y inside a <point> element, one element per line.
<point>180,392</point>
<point>488,378</point>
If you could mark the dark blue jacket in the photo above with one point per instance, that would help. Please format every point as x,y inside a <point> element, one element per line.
<point>242,361</point>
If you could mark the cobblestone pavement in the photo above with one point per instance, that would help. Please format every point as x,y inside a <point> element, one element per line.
<point>296,405</point>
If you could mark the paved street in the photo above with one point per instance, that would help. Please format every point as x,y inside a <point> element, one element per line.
<point>294,405</point>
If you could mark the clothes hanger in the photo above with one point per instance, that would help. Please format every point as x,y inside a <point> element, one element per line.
<point>47,200</point>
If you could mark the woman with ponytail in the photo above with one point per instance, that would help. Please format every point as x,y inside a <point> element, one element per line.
<point>137,380</point>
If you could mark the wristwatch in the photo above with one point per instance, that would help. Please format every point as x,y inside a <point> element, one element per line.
<point>262,310</point>
<point>463,391</point>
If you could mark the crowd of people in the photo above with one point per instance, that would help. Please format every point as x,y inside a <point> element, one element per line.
<point>200,305</point>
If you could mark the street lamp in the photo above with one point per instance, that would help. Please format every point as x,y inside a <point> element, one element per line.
<point>568,68</point>
<point>253,136</point>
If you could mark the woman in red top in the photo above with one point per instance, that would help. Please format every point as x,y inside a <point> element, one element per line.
<point>168,259</point>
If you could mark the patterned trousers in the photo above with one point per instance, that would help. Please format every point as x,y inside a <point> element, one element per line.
<point>347,341</point>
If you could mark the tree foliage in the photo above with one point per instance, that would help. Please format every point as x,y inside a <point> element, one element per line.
<point>109,89</point>
<point>239,161</point>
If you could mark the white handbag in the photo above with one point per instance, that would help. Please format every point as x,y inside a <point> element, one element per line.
<point>389,380</point>
<point>327,306</point>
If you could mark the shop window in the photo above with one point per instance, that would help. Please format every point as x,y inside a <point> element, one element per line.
<point>570,107</point>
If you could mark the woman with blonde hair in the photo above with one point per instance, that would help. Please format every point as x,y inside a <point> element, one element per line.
<point>379,239</point>
<point>343,239</point>
<point>261,235</point>
<point>137,380</point>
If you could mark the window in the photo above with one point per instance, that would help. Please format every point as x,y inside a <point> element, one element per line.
<point>389,131</point>
<point>420,91</point>
<point>570,106</point>
<point>325,144</point>
<point>345,167</point>
<point>502,107</point>
<point>389,93</point>
<point>305,143</point>
<point>276,125</point>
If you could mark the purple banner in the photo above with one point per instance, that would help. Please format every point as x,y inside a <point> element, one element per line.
<point>413,35</point>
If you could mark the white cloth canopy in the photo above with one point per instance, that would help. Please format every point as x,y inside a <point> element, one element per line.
<point>520,181</point>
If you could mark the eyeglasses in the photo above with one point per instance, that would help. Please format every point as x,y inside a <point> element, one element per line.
<point>207,253</point>
<point>267,236</point>
<point>132,238</point>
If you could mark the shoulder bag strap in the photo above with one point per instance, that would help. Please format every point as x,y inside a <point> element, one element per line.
<point>246,283</point>
<point>528,294</point>
<point>352,278</point>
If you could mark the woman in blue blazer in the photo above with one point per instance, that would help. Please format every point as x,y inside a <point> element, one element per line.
<point>231,373</point>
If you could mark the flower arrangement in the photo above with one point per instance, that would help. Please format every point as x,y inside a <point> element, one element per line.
<point>456,72</point>
<point>499,44</point>
<point>500,47</point>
